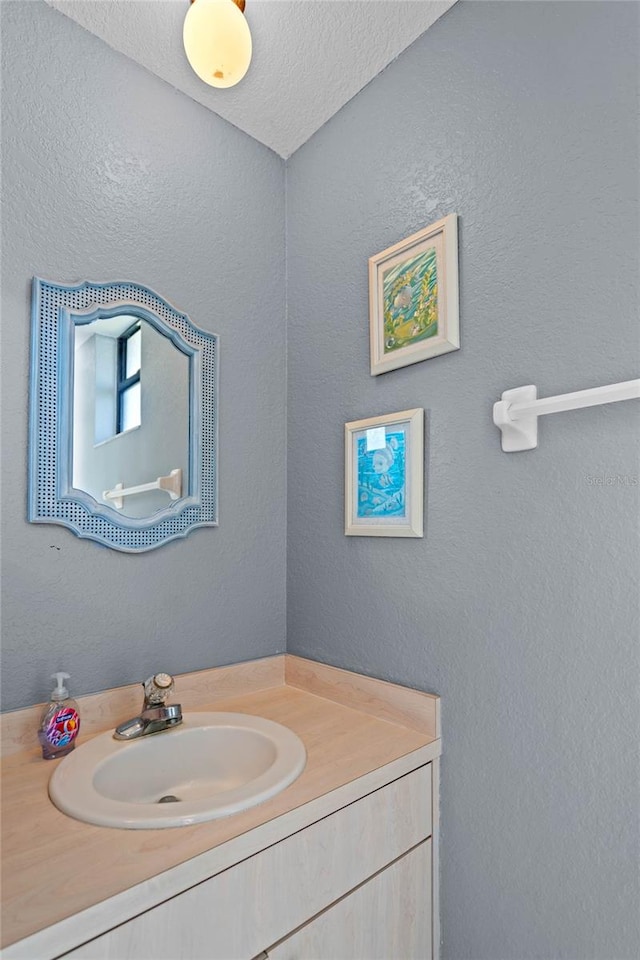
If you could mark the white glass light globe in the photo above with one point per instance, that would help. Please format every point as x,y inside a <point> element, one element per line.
<point>217,41</point>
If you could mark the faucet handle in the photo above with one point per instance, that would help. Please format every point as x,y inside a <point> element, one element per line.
<point>158,688</point>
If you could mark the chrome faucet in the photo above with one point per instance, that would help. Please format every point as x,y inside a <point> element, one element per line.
<point>155,715</point>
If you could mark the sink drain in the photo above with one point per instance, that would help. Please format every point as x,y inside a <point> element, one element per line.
<point>169,799</point>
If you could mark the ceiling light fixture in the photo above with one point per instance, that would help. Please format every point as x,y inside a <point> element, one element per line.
<point>217,41</point>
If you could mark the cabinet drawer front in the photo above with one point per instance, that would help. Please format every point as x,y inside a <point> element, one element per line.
<point>388,916</point>
<point>237,913</point>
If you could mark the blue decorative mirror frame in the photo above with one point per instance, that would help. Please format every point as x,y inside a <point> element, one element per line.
<point>58,310</point>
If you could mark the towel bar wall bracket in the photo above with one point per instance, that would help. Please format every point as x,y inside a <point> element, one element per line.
<point>516,434</point>
<point>516,413</point>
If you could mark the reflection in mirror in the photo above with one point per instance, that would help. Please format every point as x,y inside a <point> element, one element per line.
<point>130,414</point>
<point>123,423</point>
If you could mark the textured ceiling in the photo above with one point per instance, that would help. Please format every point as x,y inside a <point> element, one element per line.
<point>309,57</point>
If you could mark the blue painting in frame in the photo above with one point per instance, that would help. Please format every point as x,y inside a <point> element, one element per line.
<point>384,475</point>
<point>382,480</point>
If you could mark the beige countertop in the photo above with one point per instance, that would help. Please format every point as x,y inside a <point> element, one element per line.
<point>54,867</point>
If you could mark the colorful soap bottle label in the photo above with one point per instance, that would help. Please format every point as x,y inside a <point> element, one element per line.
<point>63,727</point>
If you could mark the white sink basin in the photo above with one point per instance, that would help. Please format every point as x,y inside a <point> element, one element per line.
<point>215,764</point>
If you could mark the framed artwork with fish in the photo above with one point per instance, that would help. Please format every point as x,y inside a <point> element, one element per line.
<point>413,298</point>
<point>384,475</point>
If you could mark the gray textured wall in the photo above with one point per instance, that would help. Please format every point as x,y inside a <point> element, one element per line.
<point>109,173</point>
<point>519,606</point>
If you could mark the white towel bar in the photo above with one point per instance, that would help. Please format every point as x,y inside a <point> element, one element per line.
<point>171,484</point>
<point>516,414</point>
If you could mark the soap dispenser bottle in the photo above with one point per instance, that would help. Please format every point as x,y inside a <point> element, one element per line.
<point>60,722</point>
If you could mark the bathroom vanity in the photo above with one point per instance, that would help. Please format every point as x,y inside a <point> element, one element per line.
<point>342,864</point>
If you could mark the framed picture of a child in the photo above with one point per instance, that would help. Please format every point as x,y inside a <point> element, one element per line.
<point>384,475</point>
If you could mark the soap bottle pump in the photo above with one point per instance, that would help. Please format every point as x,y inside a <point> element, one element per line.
<point>60,722</point>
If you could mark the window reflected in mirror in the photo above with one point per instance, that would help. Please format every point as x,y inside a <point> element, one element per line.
<point>128,389</point>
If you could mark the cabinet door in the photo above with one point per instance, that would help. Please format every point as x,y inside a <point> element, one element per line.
<point>387,917</point>
<point>235,914</point>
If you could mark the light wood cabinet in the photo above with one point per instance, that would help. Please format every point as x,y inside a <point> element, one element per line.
<point>386,918</point>
<point>357,883</point>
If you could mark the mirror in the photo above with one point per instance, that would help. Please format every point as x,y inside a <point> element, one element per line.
<point>130,415</point>
<point>123,427</point>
